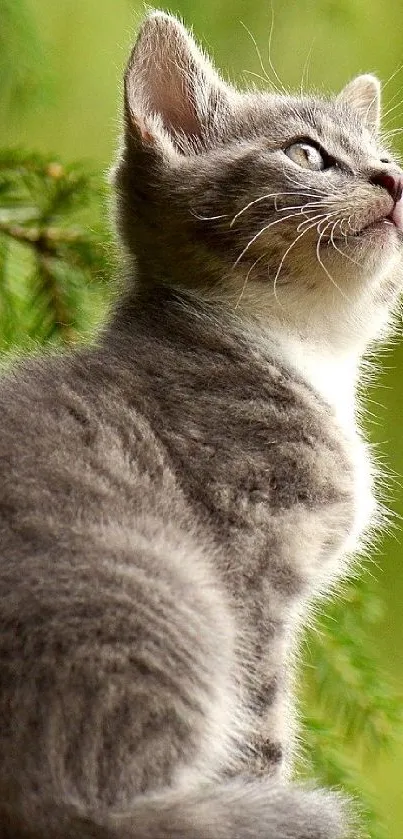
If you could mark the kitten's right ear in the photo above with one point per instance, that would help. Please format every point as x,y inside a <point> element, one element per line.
<point>173,95</point>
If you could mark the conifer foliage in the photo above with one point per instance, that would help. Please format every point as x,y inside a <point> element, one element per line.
<point>48,259</point>
<point>55,264</point>
<point>350,712</point>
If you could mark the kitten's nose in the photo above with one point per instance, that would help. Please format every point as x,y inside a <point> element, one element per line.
<point>391,181</point>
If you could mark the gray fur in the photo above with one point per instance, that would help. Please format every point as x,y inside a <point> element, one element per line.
<point>172,498</point>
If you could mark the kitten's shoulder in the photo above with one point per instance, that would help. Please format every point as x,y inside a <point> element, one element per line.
<point>53,408</point>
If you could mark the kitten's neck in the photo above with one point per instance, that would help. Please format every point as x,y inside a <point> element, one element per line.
<point>332,374</point>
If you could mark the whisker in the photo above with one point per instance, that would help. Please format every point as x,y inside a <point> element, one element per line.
<point>208,218</point>
<point>274,195</point>
<point>270,44</point>
<point>392,76</point>
<point>348,222</point>
<point>295,182</point>
<point>283,258</point>
<point>256,75</point>
<point>391,133</point>
<point>299,206</point>
<point>260,232</point>
<point>305,70</point>
<point>247,278</point>
<point>392,99</point>
<point>332,280</point>
<point>313,218</point>
<point>262,67</point>
<point>346,255</point>
<point>391,110</point>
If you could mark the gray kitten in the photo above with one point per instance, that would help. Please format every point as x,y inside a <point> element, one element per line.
<point>172,499</point>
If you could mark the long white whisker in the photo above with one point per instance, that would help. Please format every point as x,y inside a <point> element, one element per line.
<point>295,182</point>
<point>346,256</point>
<point>393,108</point>
<point>319,215</point>
<point>332,280</point>
<point>260,232</point>
<point>258,76</point>
<point>348,221</point>
<point>285,254</point>
<point>270,195</point>
<point>247,278</point>
<point>305,71</point>
<point>323,193</point>
<point>392,76</point>
<point>299,206</point>
<point>391,132</point>
<point>208,218</point>
<point>284,89</point>
<point>262,67</point>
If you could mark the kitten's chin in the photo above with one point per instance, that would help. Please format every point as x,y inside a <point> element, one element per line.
<point>382,228</point>
<point>372,249</point>
<point>379,230</point>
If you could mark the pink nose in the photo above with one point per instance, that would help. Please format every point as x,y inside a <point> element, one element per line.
<point>391,181</point>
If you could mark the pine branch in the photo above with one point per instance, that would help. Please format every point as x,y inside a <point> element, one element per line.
<point>351,712</point>
<point>345,675</point>
<point>325,758</point>
<point>43,205</point>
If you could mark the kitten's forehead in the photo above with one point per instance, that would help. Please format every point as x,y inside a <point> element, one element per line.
<point>338,124</point>
<point>330,122</point>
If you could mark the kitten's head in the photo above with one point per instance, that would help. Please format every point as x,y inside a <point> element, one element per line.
<point>284,208</point>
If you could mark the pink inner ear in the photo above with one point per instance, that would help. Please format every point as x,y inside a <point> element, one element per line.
<point>172,95</point>
<point>142,129</point>
<point>169,77</point>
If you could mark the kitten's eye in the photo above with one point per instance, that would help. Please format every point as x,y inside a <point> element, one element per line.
<point>305,155</point>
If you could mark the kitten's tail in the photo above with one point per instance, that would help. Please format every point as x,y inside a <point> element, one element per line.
<point>234,810</point>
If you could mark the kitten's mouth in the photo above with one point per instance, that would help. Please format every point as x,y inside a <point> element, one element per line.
<point>392,222</point>
<point>380,224</point>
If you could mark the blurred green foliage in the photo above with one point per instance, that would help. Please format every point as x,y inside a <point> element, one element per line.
<point>22,57</point>
<point>60,71</point>
<point>51,264</point>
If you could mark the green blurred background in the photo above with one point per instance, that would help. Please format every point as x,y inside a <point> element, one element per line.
<point>67,102</point>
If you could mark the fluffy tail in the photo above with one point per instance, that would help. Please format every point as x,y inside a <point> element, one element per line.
<point>235,810</point>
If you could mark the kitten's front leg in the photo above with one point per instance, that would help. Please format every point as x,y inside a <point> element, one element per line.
<point>270,747</point>
<point>305,552</point>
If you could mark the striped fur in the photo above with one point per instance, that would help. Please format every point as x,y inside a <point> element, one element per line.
<point>173,498</point>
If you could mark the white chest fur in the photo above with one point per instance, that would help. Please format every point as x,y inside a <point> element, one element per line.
<point>334,377</point>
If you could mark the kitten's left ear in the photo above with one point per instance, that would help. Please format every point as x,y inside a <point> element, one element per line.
<point>172,92</point>
<point>363,94</point>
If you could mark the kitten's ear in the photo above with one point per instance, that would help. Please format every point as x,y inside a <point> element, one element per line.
<point>172,92</point>
<point>363,94</point>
